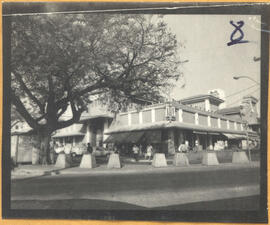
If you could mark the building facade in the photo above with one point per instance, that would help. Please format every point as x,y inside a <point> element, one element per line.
<point>172,123</point>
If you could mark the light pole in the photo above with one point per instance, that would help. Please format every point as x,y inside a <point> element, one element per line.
<point>246,124</point>
<point>239,77</point>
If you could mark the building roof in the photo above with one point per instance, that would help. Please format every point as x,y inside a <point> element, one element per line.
<point>168,124</point>
<point>86,116</point>
<point>230,110</point>
<point>197,98</point>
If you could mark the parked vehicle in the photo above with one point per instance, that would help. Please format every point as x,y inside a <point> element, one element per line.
<point>99,151</point>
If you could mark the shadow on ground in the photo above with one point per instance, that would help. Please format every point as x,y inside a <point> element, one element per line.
<point>249,203</point>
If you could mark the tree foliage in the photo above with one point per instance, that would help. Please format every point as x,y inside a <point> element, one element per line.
<point>60,60</point>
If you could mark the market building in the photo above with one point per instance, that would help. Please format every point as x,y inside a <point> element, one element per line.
<point>193,121</point>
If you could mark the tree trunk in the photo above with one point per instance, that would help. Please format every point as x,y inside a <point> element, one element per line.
<point>45,149</point>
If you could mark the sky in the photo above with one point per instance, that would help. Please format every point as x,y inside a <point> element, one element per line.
<point>211,62</point>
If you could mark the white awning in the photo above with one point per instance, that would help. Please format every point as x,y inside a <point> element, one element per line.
<point>234,136</point>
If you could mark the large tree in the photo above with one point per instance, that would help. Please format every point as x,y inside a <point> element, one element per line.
<point>58,61</point>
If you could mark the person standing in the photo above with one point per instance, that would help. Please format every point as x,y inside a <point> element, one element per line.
<point>149,152</point>
<point>89,148</point>
<point>136,152</point>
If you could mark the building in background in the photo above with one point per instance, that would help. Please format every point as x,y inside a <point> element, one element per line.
<point>167,125</point>
<point>246,111</point>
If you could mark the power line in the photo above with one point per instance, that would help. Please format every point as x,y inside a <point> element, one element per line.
<point>241,98</point>
<point>241,91</point>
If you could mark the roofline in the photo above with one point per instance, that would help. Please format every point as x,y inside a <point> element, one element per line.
<point>198,97</point>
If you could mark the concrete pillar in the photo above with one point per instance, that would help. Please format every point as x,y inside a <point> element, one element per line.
<point>114,161</point>
<point>88,161</point>
<point>241,125</point>
<point>180,159</point>
<point>62,161</point>
<point>239,157</point>
<point>171,144</point>
<point>235,125</point>
<point>159,160</point>
<point>153,115</point>
<point>210,159</point>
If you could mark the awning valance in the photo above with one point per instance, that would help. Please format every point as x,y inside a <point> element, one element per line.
<point>116,138</point>
<point>67,134</point>
<point>199,132</point>
<point>234,136</point>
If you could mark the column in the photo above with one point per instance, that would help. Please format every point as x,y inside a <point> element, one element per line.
<point>209,121</point>
<point>228,124</point>
<point>219,123</point>
<point>171,144</point>
<point>153,115</point>
<point>140,117</point>
<point>207,105</point>
<point>196,118</point>
<point>180,115</point>
<point>129,119</point>
<point>241,125</point>
<point>235,126</point>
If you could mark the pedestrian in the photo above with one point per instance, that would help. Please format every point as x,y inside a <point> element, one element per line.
<point>182,147</point>
<point>89,148</point>
<point>52,152</point>
<point>136,150</point>
<point>149,152</point>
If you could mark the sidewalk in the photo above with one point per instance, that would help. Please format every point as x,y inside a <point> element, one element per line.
<point>27,171</point>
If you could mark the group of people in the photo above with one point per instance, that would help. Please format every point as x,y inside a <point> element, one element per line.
<point>137,151</point>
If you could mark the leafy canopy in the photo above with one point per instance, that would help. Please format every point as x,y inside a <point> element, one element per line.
<point>61,60</point>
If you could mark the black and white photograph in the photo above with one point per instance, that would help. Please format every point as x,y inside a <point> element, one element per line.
<point>128,111</point>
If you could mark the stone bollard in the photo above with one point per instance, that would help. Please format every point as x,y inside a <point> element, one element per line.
<point>239,157</point>
<point>114,161</point>
<point>88,161</point>
<point>159,160</point>
<point>210,159</point>
<point>180,159</point>
<point>62,161</point>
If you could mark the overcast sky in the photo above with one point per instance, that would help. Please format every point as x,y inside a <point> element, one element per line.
<point>211,63</point>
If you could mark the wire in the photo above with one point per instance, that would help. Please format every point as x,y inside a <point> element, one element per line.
<point>241,91</point>
<point>241,98</point>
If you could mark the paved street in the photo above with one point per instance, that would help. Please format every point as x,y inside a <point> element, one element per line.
<point>164,188</point>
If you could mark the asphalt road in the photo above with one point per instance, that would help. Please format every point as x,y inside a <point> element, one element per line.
<point>127,191</point>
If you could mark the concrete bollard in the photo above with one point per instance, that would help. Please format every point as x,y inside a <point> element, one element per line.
<point>114,161</point>
<point>159,160</point>
<point>180,159</point>
<point>88,161</point>
<point>239,157</point>
<point>210,159</point>
<point>62,161</point>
